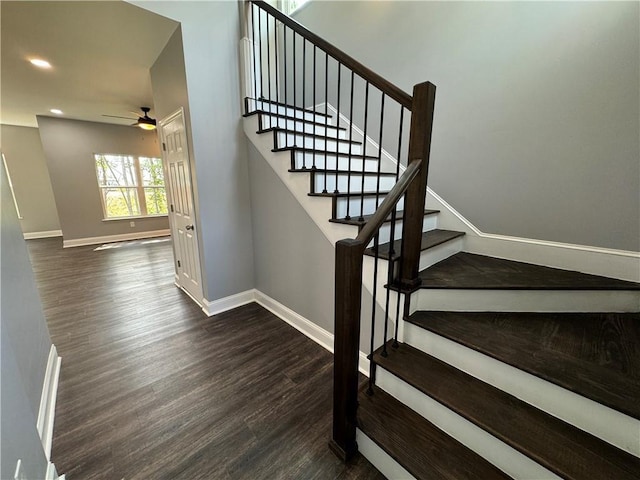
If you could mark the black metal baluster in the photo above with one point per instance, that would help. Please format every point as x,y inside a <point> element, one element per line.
<point>255,65</point>
<point>399,143</point>
<point>284,53</point>
<point>398,293</point>
<point>364,148</point>
<point>395,335</point>
<point>350,145</point>
<point>295,99</point>
<point>276,64</point>
<point>326,142</point>
<point>268,61</point>
<point>260,50</point>
<point>326,118</point>
<point>376,244</point>
<point>314,108</point>
<point>304,75</point>
<point>380,151</point>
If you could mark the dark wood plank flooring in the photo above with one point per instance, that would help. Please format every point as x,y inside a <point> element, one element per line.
<point>596,355</point>
<point>468,270</point>
<point>151,388</point>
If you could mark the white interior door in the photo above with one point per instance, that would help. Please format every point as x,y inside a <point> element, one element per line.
<point>175,155</point>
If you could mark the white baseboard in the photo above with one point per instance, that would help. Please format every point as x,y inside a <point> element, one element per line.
<point>608,262</point>
<point>44,234</point>
<point>47,410</point>
<point>305,326</point>
<point>79,242</point>
<point>227,303</point>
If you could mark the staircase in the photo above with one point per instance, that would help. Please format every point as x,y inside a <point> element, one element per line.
<point>476,365</point>
<point>497,368</point>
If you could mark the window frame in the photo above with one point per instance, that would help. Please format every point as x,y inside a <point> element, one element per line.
<point>139,187</point>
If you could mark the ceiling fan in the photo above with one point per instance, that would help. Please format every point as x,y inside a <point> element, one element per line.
<point>145,121</point>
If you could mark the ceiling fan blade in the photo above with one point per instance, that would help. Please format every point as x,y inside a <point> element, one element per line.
<point>118,116</point>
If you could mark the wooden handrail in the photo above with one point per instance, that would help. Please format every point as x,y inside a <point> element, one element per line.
<point>389,203</point>
<point>370,76</point>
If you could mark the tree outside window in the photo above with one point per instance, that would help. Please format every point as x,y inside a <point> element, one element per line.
<point>131,186</point>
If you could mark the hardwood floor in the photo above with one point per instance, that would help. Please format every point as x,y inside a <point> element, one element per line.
<point>151,388</point>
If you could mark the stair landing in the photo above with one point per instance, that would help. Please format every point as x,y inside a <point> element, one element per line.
<point>471,271</point>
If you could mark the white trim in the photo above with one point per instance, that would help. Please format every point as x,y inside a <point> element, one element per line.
<point>79,242</point>
<point>47,410</point>
<point>246,54</point>
<point>305,326</point>
<point>43,234</point>
<point>380,458</point>
<point>609,262</point>
<point>227,303</point>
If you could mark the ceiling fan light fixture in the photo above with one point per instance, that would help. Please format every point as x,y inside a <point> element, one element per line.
<point>146,124</point>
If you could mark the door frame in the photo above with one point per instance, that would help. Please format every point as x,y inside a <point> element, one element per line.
<point>170,195</point>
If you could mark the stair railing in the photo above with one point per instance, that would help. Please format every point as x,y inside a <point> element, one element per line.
<point>293,67</point>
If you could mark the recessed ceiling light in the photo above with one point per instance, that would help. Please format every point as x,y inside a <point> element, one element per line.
<point>38,62</point>
<point>56,111</point>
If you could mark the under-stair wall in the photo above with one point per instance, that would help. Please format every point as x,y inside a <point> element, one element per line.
<point>294,260</point>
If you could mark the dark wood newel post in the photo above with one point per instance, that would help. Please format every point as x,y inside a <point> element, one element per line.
<point>348,292</point>
<point>424,95</point>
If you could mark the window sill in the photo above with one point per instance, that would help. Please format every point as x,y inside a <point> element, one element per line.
<point>139,217</point>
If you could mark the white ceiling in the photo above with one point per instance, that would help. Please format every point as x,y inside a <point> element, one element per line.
<point>101,52</point>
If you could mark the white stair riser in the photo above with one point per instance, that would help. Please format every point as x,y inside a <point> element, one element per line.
<point>354,185</point>
<point>440,252</point>
<point>354,208</point>
<point>282,110</point>
<point>268,121</point>
<point>430,222</point>
<point>493,450</point>
<point>480,300</point>
<point>302,159</point>
<point>284,139</point>
<point>609,425</point>
<point>380,459</point>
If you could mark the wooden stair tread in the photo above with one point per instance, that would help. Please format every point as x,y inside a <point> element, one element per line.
<point>328,153</point>
<point>471,271</point>
<point>288,131</point>
<point>419,446</point>
<point>351,194</point>
<point>279,104</point>
<point>556,445</point>
<point>365,218</point>
<point>297,120</point>
<point>341,172</point>
<point>596,355</point>
<point>430,239</point>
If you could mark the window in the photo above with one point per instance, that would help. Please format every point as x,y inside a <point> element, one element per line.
<point>131,186</point>
<point>290,6</point>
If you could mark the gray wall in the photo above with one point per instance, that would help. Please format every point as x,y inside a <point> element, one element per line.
<point>69,146</point>
<point>25,350</point>
<point>294,261</point>
<point>28,169</point>
<point>537,109</point>
<point>210,37</point>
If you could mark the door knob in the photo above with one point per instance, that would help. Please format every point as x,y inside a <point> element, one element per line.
<point>189,227</point>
